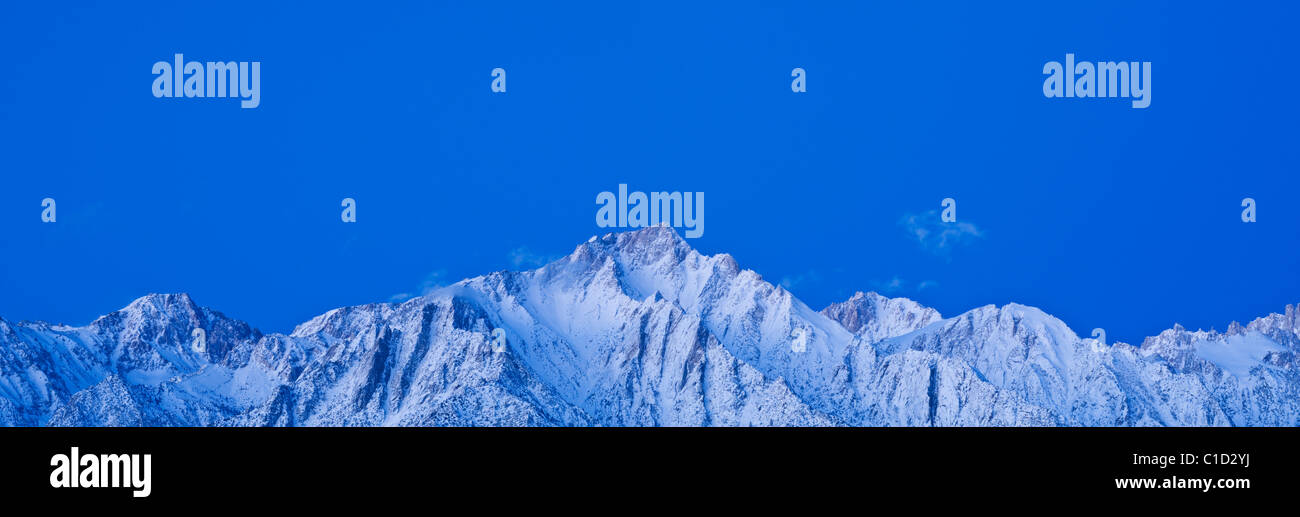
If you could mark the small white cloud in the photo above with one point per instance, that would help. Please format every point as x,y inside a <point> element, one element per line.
<point>806,278</point>
<point>897,285</point>
<point>936,236</point>
<point>433,281</point>
<point>893,285</point>
<point>524,258</point>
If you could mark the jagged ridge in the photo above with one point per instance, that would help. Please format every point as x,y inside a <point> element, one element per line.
<point>637,328</point>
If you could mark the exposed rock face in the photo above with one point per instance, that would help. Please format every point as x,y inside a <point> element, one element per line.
<point>638,329</point>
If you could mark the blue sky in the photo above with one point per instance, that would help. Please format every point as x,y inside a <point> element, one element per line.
<point>1103,215</point>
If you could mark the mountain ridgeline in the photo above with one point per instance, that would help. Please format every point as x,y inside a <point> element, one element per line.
<point>638,329</point>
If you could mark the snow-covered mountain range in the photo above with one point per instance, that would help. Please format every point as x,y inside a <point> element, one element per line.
<point>638,329</point>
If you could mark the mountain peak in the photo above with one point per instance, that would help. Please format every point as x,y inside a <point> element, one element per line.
<point>651,242</point>
<point>875,317</point>
<point>163,301</point>
<point>651,238</point>
<point>638,328</point>
<point>170,319</point>
<point>156,307</point>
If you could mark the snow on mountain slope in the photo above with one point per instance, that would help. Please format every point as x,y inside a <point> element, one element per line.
<point>637,328</point>
<point>617,327</point>
<point>874,317</point>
